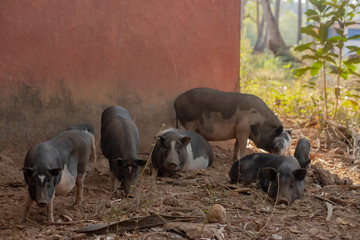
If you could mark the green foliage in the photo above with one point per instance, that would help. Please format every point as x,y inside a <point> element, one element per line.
<point>286,94</point>
<point>327,52</point>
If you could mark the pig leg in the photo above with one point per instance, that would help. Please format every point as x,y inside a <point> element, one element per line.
<point>93,148</point>
<point>240,147</point>
<point>28,203</point>
<point>79,189</point>
<point>113,182</point>
<point>50,209</point>
<point>236,150</point>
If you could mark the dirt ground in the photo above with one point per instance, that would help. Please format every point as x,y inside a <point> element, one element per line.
<point>249,215</point>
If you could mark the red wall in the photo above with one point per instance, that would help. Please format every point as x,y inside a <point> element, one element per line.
<point>148,49</point>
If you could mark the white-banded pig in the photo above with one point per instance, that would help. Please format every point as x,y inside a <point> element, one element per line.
<point>119,144</point>
<point>54,167</point>
<point>90,129</point>
<point>219,116</point>
<point>282,143</point>
<point>178,150</point>
<point>302,153</point>
<point>268,170</point>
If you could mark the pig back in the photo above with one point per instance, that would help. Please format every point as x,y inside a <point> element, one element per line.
<point>205,109</point>
<point>119,134</point>
<point>74,148</point>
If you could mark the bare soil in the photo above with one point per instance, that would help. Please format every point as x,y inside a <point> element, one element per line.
<point>250,215</point>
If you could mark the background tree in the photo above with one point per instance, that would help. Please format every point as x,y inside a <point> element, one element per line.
<point>277,11</point>
<point>275,42</point>
<point>299,21</point>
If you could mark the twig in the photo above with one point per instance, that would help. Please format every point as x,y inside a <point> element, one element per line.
<point>236,190</point>
<point>337,130</point>
<point>324,199</point>
<point>64,223</point>
<point>97,188</point>
<point>33,222</point>
<point>147,162</point>
<point>272,213</point>
<point>348,186</point>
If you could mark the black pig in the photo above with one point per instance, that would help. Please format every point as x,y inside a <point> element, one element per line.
<point>119,144</point>
<point>54,167</point>
<point>271,168</point>
<point>302,153</point>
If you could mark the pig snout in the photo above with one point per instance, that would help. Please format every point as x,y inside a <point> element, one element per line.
<point>171,166</point>
<point>42,204</point>
<point>172,160</point>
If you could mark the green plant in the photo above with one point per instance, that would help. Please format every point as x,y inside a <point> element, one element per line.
<point>327,52</point>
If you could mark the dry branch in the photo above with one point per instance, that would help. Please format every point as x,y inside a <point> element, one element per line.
<point>134,223</point>
<point>326,200</point>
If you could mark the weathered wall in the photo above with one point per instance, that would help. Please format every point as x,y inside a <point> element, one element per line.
<point>63,61</point>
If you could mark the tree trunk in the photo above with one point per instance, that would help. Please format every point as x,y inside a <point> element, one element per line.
<point>257,18</point>
<point>299,22</point>
<point>242,12</point>
<point>276,42</point>
<point>277,12</point>
<point>261,38</point>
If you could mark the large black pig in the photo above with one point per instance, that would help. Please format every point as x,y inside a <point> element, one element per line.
<point>179,150</point>
<point>269,170</point>
<point>218,116</point>
<point>119,144</point>
<point>54,167</point>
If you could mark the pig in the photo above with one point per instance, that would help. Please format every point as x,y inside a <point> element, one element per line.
<point>90,129</point>
<point>54,167</point>
<point>282,143</point>
<point>218,116</point>
<point>178,150</point>
<point>119,144</point>
<point>302,152</point>
<point>265,168</point>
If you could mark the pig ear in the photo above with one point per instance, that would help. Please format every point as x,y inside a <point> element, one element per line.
<point>141,162</point>
<point>279,130</point>
<point>55,171</point>
<point>306,164</point>
<point>186,140</point>
<point>269,173</point>
<point>300,174</point>
<point>27,170</point>
<point>161,139</point>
